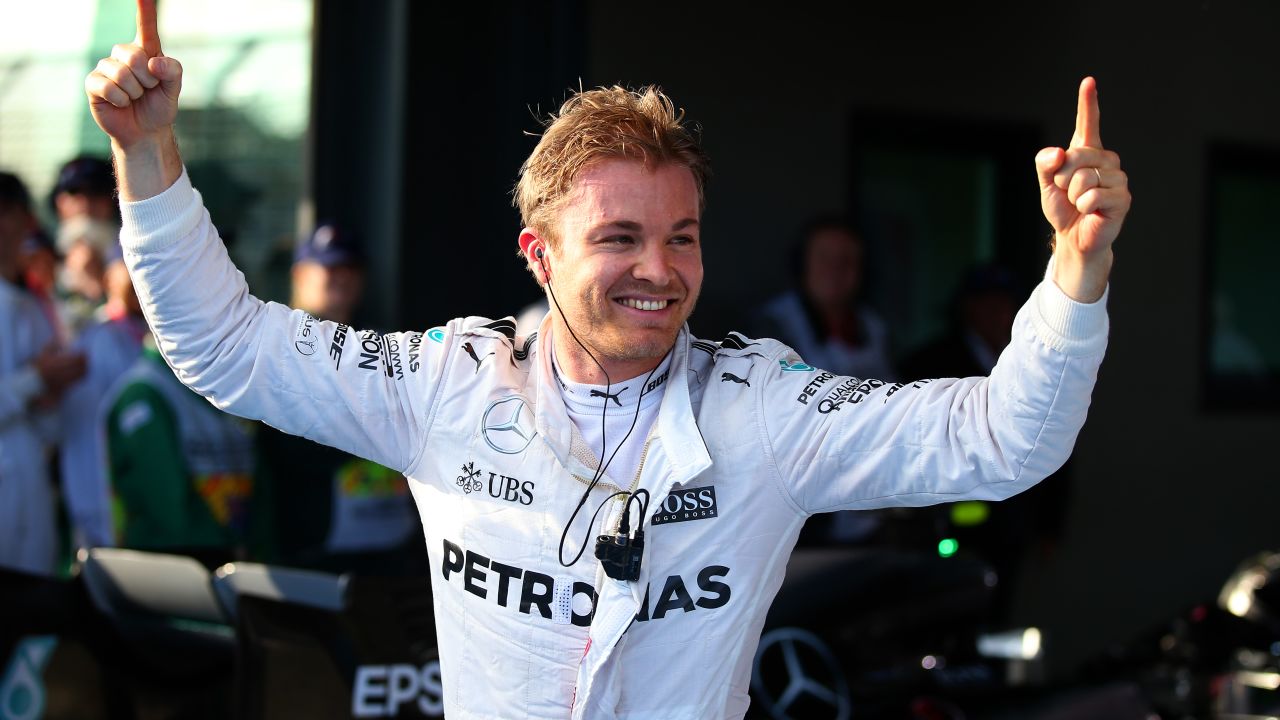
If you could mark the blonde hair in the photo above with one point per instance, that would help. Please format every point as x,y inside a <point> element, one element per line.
<point>601,124</point>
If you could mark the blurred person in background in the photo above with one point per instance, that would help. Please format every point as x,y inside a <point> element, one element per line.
<point>84,244</point>
<point>824,318</point>
<point>38,263</point>
<point>181,471</point>
<point>110,345</point>
<point>982,312</point>
<point>84,202</point>
<point>86,187</point>
<point>327,277</point>
<point>33,374</point>
<point>825,321</point>
<point>334,511</point>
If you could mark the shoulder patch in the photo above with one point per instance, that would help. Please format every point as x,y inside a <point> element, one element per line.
<point>522,353</point>
<point>709,348</point>
<point>737,341</point>
<point>506,326</point>
<point>481,337</point>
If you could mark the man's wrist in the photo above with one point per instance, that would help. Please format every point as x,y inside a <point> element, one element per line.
<point>1082,278</point>
<point>148,166</point>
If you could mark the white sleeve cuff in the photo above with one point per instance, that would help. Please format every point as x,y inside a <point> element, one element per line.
<point>159,221</point>
<point>1071,327</point>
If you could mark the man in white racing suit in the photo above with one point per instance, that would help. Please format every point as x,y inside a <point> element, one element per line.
<point>735,442</point>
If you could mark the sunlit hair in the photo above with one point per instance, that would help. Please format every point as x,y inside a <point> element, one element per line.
<point>602,124</point>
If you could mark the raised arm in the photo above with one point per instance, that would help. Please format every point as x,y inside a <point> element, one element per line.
<point>363,392</point>
<point>845,443</point>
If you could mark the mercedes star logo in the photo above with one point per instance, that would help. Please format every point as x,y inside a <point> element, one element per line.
<point>507,425</point>
<point>795,672</point>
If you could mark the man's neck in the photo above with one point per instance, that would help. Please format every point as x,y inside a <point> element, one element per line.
<point>577,366</point>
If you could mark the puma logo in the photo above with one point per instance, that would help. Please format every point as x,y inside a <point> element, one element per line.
<point>613,397</point>
<point>472,352</point>
<point>726,377</point>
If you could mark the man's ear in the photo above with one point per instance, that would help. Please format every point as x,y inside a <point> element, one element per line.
<point>535,254</point>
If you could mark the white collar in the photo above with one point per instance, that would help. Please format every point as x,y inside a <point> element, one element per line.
<point>585,398</point>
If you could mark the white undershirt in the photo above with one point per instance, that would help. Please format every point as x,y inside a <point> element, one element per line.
<point>585,403</point>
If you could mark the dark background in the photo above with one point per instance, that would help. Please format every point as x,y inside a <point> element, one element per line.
<point>420,122</point>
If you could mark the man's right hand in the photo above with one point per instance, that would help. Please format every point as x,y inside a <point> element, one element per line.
<point>133,95</point>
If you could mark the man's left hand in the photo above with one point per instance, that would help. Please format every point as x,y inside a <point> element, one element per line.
<point>1085,197</point>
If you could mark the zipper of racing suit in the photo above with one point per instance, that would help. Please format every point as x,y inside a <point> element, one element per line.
<point>635,483</point>
<point>617,522</point>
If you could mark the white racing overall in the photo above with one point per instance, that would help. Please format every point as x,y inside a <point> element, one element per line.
<point>749,441</point>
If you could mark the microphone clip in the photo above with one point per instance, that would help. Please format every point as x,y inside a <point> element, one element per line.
<point>620,555</point>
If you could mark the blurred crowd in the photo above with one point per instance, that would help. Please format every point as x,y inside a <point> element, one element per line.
<point>100,445</point>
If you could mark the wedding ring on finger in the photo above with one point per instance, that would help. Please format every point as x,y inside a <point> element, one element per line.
<point>1098,172</point>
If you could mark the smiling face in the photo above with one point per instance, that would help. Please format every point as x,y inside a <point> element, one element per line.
<point>626,266</point>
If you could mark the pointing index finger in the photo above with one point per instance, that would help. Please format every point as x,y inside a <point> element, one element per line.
<point>148,37</point>
<point>1087,116</point>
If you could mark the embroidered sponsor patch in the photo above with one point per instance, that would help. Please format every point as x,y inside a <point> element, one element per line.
<point>507,425</point>
<point>304,335</point>
<point>698,503</point>
<point>795,366</point>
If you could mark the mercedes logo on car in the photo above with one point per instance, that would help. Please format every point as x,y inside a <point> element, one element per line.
<point>507,425</point>
<point>795,674</point>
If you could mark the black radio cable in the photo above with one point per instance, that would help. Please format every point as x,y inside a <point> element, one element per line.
<point>604,443</point>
